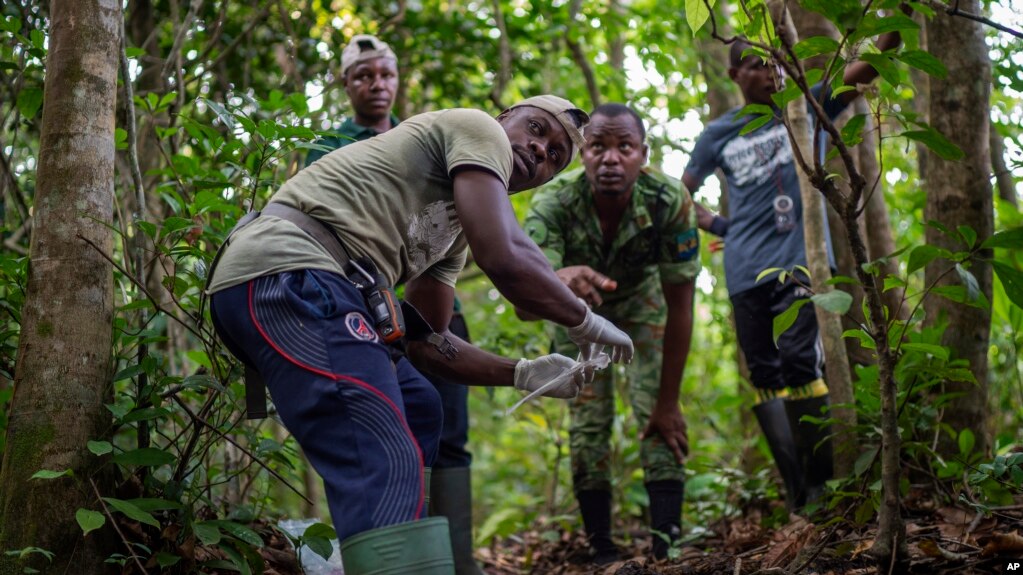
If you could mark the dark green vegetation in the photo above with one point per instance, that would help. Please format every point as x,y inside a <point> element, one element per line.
<point>225,96</point>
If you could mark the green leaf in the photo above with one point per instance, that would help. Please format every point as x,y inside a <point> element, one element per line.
<point>815,46</point>
<point>1012,282</point>
<point>208,533</point>
<point>968,234</point>
<point>131,511</point>
<point>48,474</point>
<point>766,273</point>
<point>239,532</point>
<point>785,319</point>
<point>100,447</point>
<point>145,457</point>
<point>921,256</point>
<point>972,287</point>
<point>892,282</point>
<point>226,117</point>
<point>146,414</point>
<point>866,341</point>
<point>835,301</point>
<point>935,142</point>
<point>852,131</point>
<point>874,26</point>
<point>884,66</point>
<point>156,504</point>
<point>29,102</point>
<point>133,52</point>
<point>837,280</point>
<point>924,62</point>
<point>966,442</point>
<point>756,124</point>
<point>1011,239</point>
<point>753,110</point>
<point>938,351</point>
<point>89,520</point>
<point>164,559</point>
<point>697,14</point>
<point>864,460</point>
<point>320,530</point>
<point>320,546</point>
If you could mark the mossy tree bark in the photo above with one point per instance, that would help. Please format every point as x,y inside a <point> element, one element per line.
<point>63,370</point>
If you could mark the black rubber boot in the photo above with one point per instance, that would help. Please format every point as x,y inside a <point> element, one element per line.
<point>595,507</point>
<point>451,497</point>
<point>665,514</point>
<point>774,421</point>
<point>815,460</point>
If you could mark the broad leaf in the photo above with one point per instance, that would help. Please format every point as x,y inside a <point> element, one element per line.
<point>1012,281</point>
<point>785,319</point>
<point>239,531</point>
<point>921,256</point>
<point>937,351</point>
<point>1011,239</point>
<point>147,457</point>
<point>935,142</point>
<point>923,61</point>
<point>29,102</point>
<point>48,474</point>
<point>835,301</point>
<point>131,511</point>
<point>100,447</point>
<point>884,66</point>
<point>89,520</point>
<point>815,46</point>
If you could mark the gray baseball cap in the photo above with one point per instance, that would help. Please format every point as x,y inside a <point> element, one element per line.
<point>364,47</point>
<point>568,115</point>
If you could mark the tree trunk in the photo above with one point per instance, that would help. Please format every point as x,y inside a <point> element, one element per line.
<point>877,224</point>
<point>959,194</point>
<point>63,370</point>
<point>838,374</point>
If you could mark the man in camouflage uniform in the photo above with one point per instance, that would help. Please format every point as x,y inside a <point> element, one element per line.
<point>625,240</point>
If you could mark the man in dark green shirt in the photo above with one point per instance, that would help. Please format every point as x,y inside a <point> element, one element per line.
<point>369,73</point>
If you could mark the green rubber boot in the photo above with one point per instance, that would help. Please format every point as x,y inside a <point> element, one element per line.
<point>422,547</point>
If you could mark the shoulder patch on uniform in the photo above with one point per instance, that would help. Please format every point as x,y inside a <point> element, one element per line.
<point>359,327</point>
<point>687,245</point>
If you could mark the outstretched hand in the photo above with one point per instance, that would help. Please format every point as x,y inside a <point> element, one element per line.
<point>586,283</point>
<point>669,423</point>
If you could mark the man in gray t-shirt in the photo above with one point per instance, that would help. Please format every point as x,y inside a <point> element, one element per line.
<point>408,204</point>
<point>765,230</point>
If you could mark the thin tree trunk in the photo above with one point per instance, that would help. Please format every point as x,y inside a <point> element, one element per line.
<point>876,222</point>
<point>839,374</point>
<point>959,194</point>
<point>62,377</point>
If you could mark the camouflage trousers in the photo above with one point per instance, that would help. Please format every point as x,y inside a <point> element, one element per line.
<point>593,413</point>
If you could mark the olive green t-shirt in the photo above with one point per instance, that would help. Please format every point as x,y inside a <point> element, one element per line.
<point>390,198</point>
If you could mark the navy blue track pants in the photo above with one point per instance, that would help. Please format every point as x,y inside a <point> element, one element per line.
<point>368,425</point>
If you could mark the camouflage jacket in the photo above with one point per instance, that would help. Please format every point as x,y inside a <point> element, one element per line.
<point>656,242</point>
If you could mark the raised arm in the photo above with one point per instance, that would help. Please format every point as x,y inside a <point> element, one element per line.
<point>510,259</point>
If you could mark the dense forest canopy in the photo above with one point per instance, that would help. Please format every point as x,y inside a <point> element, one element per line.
<point>214,105</point>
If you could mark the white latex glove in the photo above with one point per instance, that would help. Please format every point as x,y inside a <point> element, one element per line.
<point>532,374</point>
<point>595,332</point>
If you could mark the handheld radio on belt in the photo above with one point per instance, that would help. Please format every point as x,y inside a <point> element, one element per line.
<point>380,299</point>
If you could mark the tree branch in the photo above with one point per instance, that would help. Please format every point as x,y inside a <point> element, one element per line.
<point>955,11</point>
<point>579,56</point>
